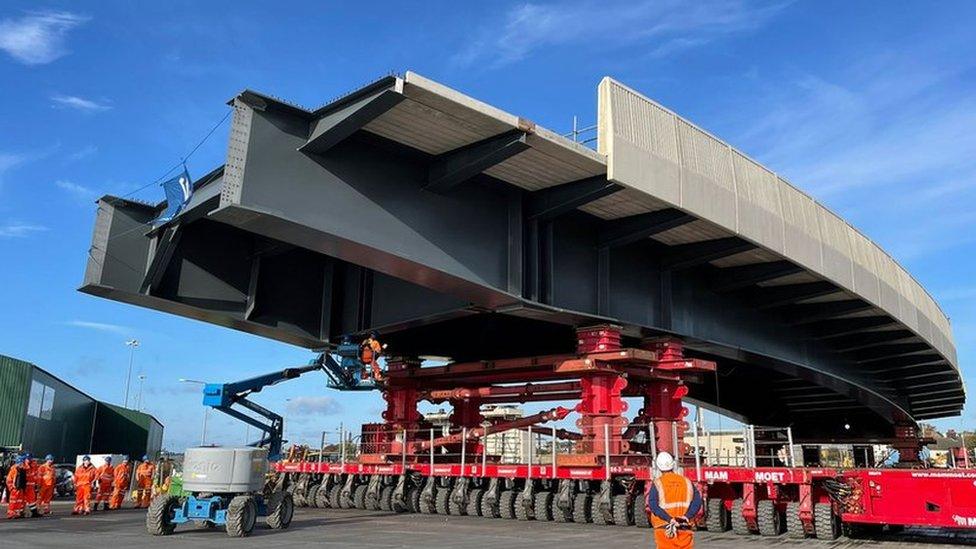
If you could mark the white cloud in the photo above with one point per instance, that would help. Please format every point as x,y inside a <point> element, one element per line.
<point>85,152</point>
<point>78,103</point>
<point>38,37</point>
<point>663,26</point>
<point>101,327</point>
<point>16,229</point>
<point>80,192</point>
<point>313,406</point>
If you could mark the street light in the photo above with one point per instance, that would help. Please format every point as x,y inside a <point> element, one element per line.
<point>131,344</point>
<point>142,378</point>
<point>206,410</point>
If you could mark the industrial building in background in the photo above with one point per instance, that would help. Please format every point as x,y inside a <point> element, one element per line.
<point>44,415</point>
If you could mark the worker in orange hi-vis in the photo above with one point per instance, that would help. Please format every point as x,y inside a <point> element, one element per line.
<point>85,477</point>
<point>369,353</point>
<point>123,472</point>
<point>46,479</point>
<point>144,482</point>
<point>106,477</point>
<point>16,484</point>
<point>672,501</point>
<point>30,492</point>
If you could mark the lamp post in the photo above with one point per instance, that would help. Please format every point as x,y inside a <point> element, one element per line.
<point>131,344</point>
<point>206,411</point>
<point>142,378</point>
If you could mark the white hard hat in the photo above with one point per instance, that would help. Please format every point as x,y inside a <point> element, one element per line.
<point>664,462</point>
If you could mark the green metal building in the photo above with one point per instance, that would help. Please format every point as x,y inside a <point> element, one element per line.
<point>44,415</point>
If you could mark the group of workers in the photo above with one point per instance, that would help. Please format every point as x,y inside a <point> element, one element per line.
<point>30,486</point>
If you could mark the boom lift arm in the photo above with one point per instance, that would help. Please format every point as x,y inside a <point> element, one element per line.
<point>223,396</point>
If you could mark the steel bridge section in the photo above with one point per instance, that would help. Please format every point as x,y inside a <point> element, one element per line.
<point>461,231</point>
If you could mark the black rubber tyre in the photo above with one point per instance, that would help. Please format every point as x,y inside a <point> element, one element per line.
<point>412,497</point>
<point>473,508</point>
<point>456,509</point>
<point>581,508</point>
<point>596,515</point>
<point>313,495</point>
<point>159,516</point>
<point>386,498</point>
<point>542,506</point>
<point>825,524</point>
<point>560,515</point>
<point>322,497</point>
<point>442,501</point>
<point>716,516</point>
<point>623,511</point>
<point>639,506</point>
<point>521,512</point>
<point>489,510</point>
<point>794,526</point>
<point>281,509</point>
<point>359,497</point>
<point>373,502</point>
<point>768,518</point>
<point>242,514</point>
<point>506,504</point>
<point>428,507</point>
<point>739,524</point>
<point>336,499</point>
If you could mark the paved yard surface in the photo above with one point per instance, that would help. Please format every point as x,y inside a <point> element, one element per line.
<point>368,529</point>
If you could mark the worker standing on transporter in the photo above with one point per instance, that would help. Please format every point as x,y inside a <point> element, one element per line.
<point>30,492</point>
<point>123,472</point>
<point>144,482</point>
<point>672,501</point>
<point>369,352</point>
<point>16,482</point>
<point>46,479</point>
<point>85,476</point>
<point>106,477</point>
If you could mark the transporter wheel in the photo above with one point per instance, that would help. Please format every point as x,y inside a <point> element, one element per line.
<point>475,497</point>
<point>242,513</point>
<point>313,495</point>
<point>768,518</point>
<point>322,497</point>
<point>442,500</point>
<point>739,524</point>
<point>825,524</point>
<point>456,509</point>
<point>359,497</point>
<point>521,511</point>
<point>794,526</point>
<point>582,508</point>
<point>412,498</point>
<point>386,498</point>
<point>542,506</point>
<point>489,509</point>
<point>429,507</point>
<point>558,514</point>
<point>716,516</point>
<point>335,497</point>
<point>623,511</point>
<point>281,509</point>
<point>639,507</point>
<point>596,514</point>
<point>159,517</point>
<point>506,504</point>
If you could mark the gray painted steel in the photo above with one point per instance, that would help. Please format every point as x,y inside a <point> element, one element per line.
<point>459,230</point>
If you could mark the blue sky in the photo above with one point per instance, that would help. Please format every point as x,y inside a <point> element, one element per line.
<point>868,106</point>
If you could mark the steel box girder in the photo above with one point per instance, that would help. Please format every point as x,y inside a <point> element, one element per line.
<point>359,244</point>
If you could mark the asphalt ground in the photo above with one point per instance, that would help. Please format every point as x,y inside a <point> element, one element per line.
<point>370,529</point>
